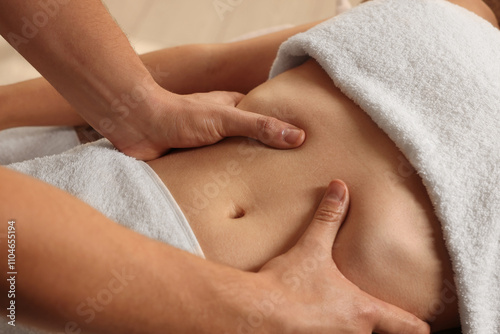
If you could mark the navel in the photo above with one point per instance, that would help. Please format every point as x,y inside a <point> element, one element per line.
<point>237,212</point>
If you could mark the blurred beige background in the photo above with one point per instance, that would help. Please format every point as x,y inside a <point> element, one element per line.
<point>154,24</point>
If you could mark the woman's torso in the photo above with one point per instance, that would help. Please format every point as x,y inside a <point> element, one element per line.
<point>247,203</point>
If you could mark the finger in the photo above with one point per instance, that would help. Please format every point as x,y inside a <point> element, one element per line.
<point>234,98</point>
<point>393,320</point>
<point>268,130</point>
<point>328,217</point>
<point>230,99</point>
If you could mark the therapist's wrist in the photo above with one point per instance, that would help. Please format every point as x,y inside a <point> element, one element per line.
<point>129,122</point>
<point>250,303</point>
<point>224,300</point>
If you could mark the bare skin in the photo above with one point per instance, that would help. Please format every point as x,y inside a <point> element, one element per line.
<point>248,203</point>
<point>181,70</point>
<point>216,299</point>
<point>147,293</point>
<point>371,234</point>
<point>494,5</point>
<point>83,53</point>
<point>230,198</point>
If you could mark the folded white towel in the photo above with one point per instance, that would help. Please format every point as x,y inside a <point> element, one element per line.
<point>19,144</point>
<point>124,189</point>
<point>428,73</point>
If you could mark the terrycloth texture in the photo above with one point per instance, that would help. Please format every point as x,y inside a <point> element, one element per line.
<point>126,190</point>
<point>20,144</point>
<point>428,73</point>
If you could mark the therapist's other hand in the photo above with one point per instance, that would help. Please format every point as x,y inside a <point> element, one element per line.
<point>182,121</point>
<point>315,296</point>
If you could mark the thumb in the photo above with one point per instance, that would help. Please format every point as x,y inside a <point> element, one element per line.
<point>390,319</point>
<point>234,98</point>
<point>268,130</point>
<point>328,217</point>
<point>230,99</point>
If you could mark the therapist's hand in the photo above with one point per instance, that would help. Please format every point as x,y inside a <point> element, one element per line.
<point>101,76</point>
<point>181,121</point>
<point>310,293</point>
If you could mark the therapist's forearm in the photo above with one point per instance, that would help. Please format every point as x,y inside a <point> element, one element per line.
<point>185,69</point>
<point>81,51</point>
<point>79,270</point>
<point>182,70</point>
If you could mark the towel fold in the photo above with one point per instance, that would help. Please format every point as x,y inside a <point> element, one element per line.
<point>124,189</point>
<point>428,73</point>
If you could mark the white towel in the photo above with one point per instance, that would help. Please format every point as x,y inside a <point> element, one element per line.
<point>124,189</point>
<point>428,73</point>
<point>25,143</point>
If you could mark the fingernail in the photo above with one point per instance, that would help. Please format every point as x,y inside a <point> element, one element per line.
<point>336,191</point>
<point>292,136</point>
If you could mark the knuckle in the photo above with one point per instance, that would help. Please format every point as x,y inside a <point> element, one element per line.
<point>224,98</point>
<point>361,314</point>
<point>266,127</point>
<point>407,323</point>
<point>328,214</point>
<point>234,97</point>
<point>414,325</point>
<point>367,312</point>
<point>216,128</point>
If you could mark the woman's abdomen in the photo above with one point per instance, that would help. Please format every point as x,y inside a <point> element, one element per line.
<point>247,203</point>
